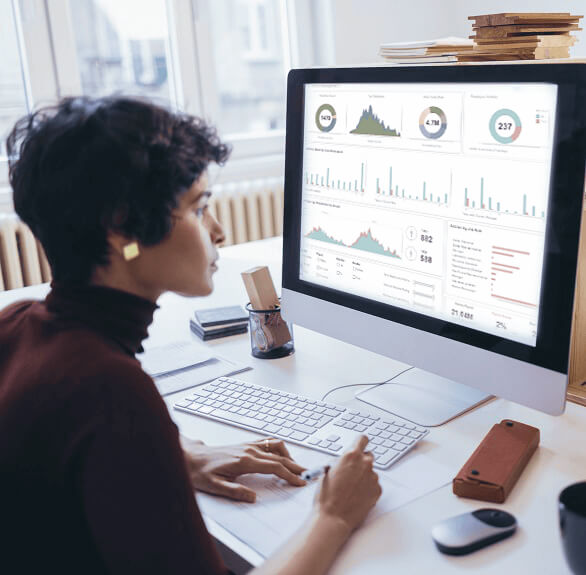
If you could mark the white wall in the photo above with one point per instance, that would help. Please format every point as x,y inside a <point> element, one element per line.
<point>360,26</point>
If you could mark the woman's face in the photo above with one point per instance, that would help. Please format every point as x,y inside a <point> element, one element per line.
<point>185,260</point>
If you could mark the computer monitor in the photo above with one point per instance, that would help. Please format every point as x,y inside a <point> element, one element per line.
<point>432,215</point>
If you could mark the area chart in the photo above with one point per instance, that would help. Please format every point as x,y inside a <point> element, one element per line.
<point>365,242</point>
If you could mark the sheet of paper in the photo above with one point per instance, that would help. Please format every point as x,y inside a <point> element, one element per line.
<point>172,357</point>
<point>281,509</point>
<point>184,364</point>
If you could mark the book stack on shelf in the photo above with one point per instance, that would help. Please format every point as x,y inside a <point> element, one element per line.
<point>219,322</point>
<point>522,36</point>
<point>425,51</point>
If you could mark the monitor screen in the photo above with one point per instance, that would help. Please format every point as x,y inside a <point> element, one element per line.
<point>430,197</point>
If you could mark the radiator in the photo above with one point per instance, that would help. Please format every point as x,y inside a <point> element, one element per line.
<point>250,210</point>
<point>22,259</point>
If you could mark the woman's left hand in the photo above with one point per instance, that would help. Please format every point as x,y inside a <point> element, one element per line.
<point>215,469</point>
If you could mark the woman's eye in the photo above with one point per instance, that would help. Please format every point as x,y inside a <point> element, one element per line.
<point>200,212</point>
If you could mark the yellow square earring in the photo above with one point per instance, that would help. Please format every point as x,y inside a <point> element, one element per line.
<point>130,251</point>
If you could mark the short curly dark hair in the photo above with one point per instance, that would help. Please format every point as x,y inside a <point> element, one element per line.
<point>87,166</point>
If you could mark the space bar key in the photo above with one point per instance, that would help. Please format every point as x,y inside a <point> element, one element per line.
<point>243,419</point>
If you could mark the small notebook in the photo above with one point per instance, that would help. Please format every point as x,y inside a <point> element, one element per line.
<point>221,315</point>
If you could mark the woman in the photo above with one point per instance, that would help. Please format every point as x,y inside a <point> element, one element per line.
<point>94,476</point>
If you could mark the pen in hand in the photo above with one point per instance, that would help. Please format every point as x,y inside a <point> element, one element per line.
<point>310,474</point>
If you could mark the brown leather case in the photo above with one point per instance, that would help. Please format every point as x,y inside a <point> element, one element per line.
<point>493,469</point>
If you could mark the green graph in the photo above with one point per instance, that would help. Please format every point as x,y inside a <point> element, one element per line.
<point>365,242</point>
<point>372,125</point>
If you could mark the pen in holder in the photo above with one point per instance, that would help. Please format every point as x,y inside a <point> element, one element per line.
<point>270,335</point>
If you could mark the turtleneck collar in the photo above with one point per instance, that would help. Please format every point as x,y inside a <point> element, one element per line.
<point>117,315</point>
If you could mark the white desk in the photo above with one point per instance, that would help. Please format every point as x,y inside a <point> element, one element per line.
<point>398,542</point>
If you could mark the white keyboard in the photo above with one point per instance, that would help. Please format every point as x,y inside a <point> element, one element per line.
<point>315,424</point>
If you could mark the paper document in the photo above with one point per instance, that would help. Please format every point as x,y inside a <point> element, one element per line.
<point>184,364</point>
<point>281,509</point>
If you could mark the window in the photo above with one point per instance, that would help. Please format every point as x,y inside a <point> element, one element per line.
<point>122,46</point>
<point>250,62</point>
<point>224,60</point>
<point>13,102</point>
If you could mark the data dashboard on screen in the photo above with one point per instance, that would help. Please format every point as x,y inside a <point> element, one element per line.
<point>430,197</point>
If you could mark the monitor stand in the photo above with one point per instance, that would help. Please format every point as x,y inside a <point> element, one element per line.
<point>424,398</point>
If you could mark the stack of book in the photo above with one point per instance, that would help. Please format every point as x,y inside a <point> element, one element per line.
<point>219,322</point>
<point>425,51</point>
<point>522,36</point>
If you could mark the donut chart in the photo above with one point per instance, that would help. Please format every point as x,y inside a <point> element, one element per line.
<point>433,122</point>
<point>505,126</point>
<point>325,118</point>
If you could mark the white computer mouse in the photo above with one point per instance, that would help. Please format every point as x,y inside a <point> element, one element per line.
<point>468,532</point>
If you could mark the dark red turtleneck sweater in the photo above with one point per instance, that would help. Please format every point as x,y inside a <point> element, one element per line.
<point>92,476</point>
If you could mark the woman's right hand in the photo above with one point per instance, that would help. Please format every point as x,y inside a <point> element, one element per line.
<point>350,489</point>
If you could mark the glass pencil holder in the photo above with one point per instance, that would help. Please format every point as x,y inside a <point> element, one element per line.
<point>270,335</point>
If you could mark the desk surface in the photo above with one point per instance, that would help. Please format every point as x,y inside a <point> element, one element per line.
<point>400,541</point>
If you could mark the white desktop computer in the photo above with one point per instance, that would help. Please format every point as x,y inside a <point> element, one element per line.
<point>432,215</point>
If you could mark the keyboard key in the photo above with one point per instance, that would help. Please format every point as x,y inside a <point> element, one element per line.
<point>336,447</point>
<point>331,412</point>
<point>184,403</point>
<point>332,438</point>
<point>414,434</point>
<point>407,440</point>
<point>322,421</point>
<point>272,428</point>
<point>379,450</point>
<point>403,432</point>
<point>314,441</point>
<point>298,436</point>
<point>285,432</point>
<point>386,458</point>
<point>385,434</point>
<point>377,441</point>
<point>349,425</point>
<point>250,421</point>
<point>360,428</point>
<point>347,417</point>
<point>325,443</point>
<point>353,412</point>
<point>339,408</point>
<point>206,409</point>
<point>374,432</point>
<point>304,428</point>
<point>339,423</point>
<point>357,419</point>
<point>381,425</point>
